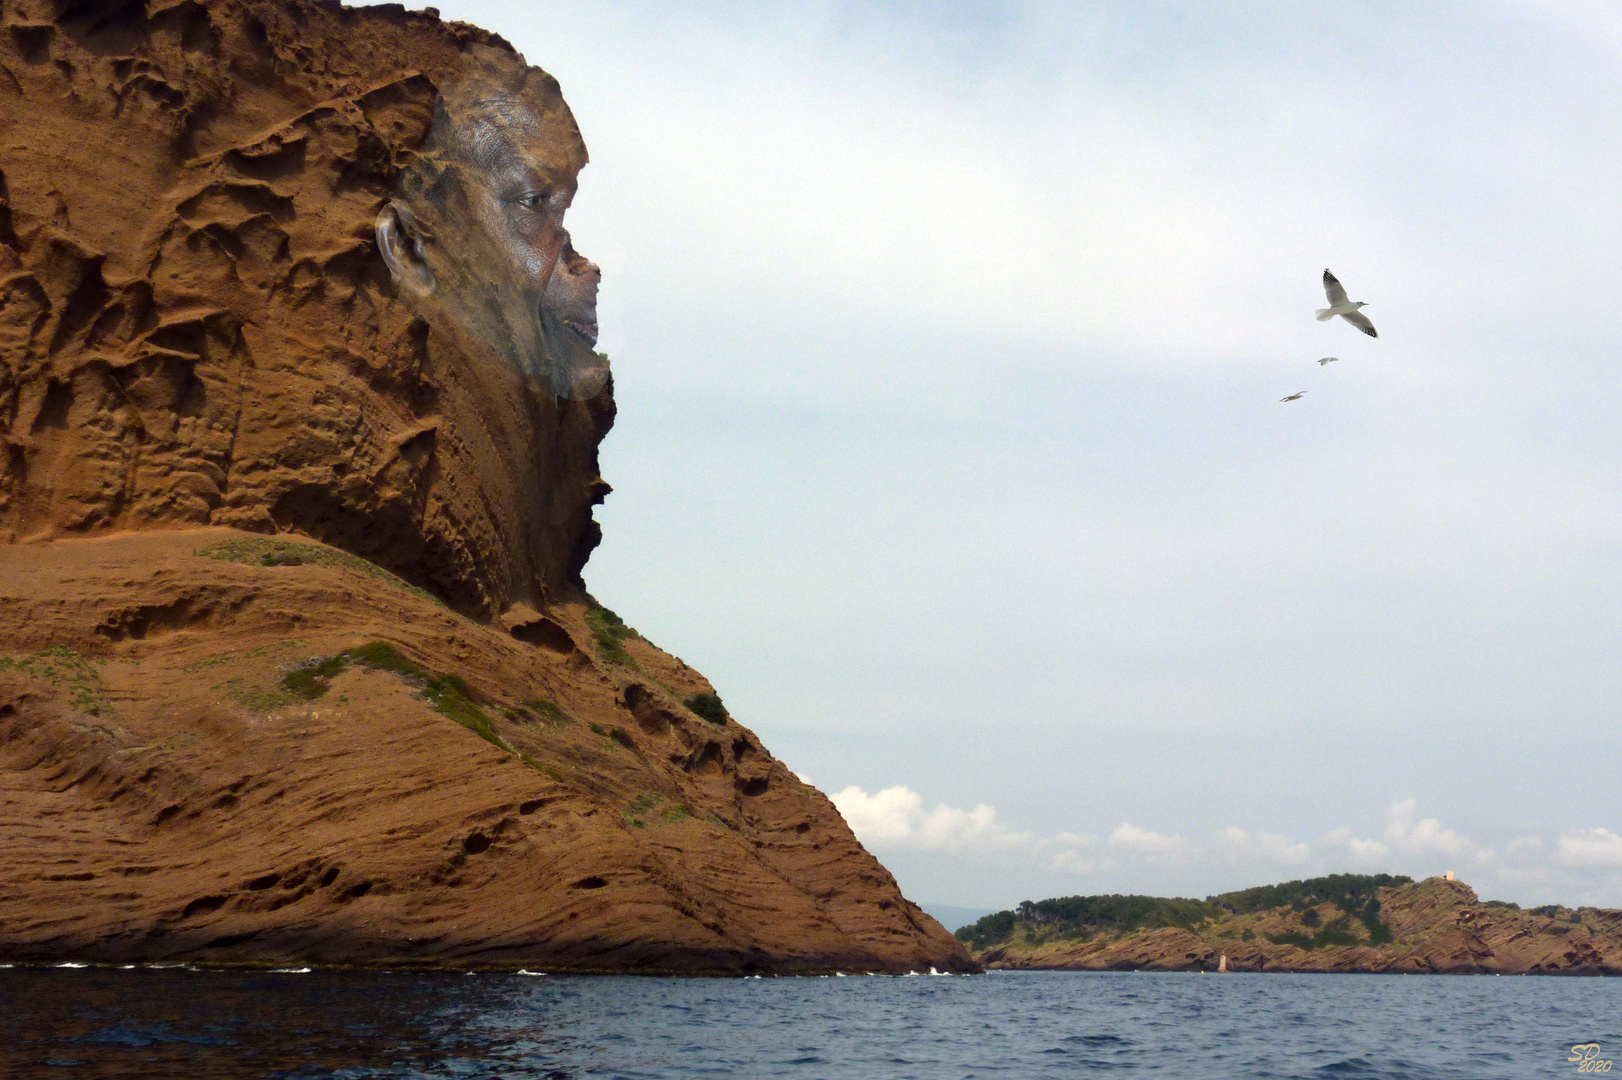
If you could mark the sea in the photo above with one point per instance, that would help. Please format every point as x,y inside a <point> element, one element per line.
<point>213,1024</point>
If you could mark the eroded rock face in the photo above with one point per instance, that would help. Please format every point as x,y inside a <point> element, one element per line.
<point>196,326</point>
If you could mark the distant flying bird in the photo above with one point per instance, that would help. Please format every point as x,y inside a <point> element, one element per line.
<point>1328,360</point>
<point>1293,396</point>
<point>1339,305</point>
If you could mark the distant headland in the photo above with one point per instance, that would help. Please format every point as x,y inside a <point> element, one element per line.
<point>1343,922</point>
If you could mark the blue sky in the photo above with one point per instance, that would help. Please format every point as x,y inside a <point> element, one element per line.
<point>948,343</point>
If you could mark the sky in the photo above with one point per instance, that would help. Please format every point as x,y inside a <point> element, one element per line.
<point>948,343</point>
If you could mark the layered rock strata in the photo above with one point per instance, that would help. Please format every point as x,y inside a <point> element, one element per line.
<point>531,792</point>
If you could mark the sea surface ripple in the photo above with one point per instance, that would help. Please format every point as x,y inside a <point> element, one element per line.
<point>177,1022</point>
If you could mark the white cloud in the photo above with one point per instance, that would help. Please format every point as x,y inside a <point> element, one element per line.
<point>881,818</point>
<point>1525,851</point>
<point>1130,838</point>
<point>895,817</point>
<point>1076,853</point>
<point>1406,840</point>
<point>1579,868</point>
<point>1239,847</point>
<point>1362,852</point>
<point>1426,837</point>
<point>1590,847</point>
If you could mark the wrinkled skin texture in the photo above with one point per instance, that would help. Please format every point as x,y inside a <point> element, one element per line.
<point>197,326</point>
<point>477,236</point>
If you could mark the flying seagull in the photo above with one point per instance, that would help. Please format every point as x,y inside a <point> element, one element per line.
<point>1328,360</point>
<point>1339,305</point>
<point>1293,396</point>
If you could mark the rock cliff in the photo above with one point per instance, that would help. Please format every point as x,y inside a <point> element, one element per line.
<point>296,663</point>
<point>197,328</point>
<point>1435,927</point>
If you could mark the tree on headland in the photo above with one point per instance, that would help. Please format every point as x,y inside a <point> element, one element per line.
<point>1080,917</point>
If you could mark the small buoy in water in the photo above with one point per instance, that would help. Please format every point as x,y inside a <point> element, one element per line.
<point>1222,964</point>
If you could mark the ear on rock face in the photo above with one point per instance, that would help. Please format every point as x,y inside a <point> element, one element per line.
<point>402,247</point>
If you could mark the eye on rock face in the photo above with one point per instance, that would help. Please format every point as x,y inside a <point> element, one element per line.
<point>536,220</point>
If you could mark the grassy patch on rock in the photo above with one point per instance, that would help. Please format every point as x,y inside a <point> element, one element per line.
<point>1337,932</point>
<point>449,695</point>
<point>263,551</point>
<point>539,711</point>
<point>608,631</point>
<point>61,666</point>
<point>645,810</point>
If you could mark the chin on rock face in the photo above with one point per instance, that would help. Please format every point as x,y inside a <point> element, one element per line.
<point>475,235</point>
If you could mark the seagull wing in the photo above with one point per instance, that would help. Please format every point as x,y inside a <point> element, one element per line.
<point>1361,321</point>
<point>1334,290</point>
<point>1328,360</point>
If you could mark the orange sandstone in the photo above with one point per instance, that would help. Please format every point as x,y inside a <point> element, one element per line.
<point>230,447</point>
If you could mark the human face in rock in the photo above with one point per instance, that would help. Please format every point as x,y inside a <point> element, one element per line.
<point>482,242</point>
<point>540,293</point>
<point>518,192</point>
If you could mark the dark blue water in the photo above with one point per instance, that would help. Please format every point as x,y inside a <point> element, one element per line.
<point>217,1024</point>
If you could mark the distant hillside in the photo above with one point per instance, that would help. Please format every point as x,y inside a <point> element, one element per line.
<point>1343,922</point>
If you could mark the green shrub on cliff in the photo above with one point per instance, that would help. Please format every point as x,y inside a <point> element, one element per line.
<point>1379,932</point>
<point>1337,932</point>
<point>310,682</point>
<point>538,711</point>
<point>1354,894</point>
<point>707,707</point>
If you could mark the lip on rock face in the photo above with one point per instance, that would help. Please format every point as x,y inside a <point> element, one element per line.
<point>584,329</point>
